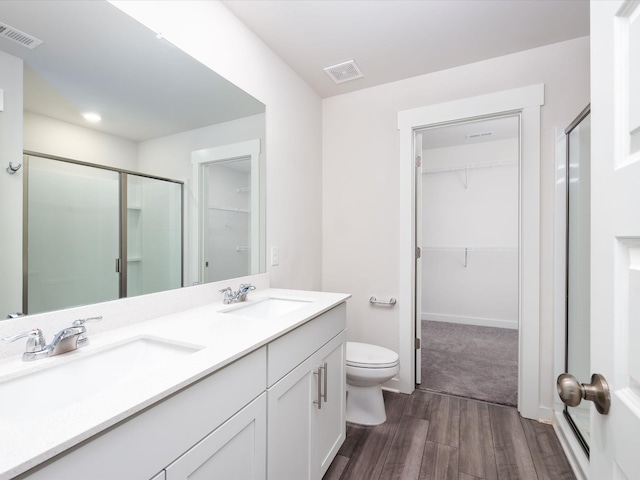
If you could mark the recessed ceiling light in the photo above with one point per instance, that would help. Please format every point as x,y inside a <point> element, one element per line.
<point>92,117</point>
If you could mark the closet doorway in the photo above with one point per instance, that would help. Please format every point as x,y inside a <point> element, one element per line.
<point>526,102</point>
<point>467,224</point>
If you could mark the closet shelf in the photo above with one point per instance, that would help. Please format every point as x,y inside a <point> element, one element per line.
<point>468,166</point>
<point>230,209</point>
<point>469,249</point>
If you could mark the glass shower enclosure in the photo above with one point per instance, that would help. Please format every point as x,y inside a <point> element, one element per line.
<point>94,234</point>
<point>578,353</point>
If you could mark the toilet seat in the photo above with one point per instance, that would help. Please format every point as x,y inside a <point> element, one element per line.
<point>364,355</point>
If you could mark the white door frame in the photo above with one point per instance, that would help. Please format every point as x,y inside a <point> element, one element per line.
<point>201,158</point>
<point>526,101</point>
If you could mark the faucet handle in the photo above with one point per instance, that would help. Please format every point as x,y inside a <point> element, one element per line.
<point>82,339</point>
<point>228,294</point>
<point>35,342</point>
<point>246,287</point>
<point>81,321</point>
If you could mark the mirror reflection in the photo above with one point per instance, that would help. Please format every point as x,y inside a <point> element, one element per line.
<point>157,106</point>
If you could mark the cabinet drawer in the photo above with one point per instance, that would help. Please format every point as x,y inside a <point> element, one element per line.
<point>288,351</point>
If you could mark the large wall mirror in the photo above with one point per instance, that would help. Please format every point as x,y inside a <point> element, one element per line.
<point>62,59</point>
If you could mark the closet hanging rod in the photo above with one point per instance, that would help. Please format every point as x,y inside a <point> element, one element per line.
<point>469,249</point>
<point>469,166</point>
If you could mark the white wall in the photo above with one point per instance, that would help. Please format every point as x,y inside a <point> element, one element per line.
<point>361,187</point>
<point>213,35</point>
<point>170,156</point>
<point>477,210</point>
<point>62,139</point>
<point>11,185</point>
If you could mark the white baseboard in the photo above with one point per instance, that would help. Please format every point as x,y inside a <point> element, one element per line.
<point>545,415</point>
<point>478,321</point>
<point>393,385</point>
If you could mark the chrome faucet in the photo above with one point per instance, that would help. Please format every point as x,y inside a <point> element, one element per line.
<point>238,296</point>
<point>64,341</point>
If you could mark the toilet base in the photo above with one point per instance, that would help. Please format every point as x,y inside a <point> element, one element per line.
<point>365,405</point>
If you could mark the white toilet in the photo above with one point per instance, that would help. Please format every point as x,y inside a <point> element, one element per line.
<point>368,367</point>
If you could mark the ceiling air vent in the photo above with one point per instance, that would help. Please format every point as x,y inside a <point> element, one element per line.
<point>344,72</point>
<point>17,36</point>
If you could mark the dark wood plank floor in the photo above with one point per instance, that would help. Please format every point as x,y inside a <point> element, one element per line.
<point>428,436</point>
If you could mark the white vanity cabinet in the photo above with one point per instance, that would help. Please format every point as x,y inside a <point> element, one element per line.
<point>276,413</point>
<point>306,406</point>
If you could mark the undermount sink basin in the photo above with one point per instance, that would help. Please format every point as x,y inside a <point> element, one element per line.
<point>44,391</point>
<point>267,307</point>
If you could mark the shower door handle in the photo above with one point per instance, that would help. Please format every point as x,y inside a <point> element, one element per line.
<point>572,392</point>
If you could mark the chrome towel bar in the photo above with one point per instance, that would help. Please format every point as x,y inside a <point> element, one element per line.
<point>392,301</point>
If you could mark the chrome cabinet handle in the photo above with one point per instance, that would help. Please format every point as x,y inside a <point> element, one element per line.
<point>319,389</point>
<point>326,372</point>
<point>572,392</point>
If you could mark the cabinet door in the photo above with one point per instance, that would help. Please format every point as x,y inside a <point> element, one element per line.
<point>236,449</point>
<point>290,415</point>
<point>330,421</point>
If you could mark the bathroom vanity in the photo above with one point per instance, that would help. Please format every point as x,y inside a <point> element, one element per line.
<point>254,390</point>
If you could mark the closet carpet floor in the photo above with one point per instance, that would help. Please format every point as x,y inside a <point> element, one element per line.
<point>428,436</point>
<point>470,361</point>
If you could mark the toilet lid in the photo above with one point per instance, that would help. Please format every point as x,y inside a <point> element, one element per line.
<point>365,355</point>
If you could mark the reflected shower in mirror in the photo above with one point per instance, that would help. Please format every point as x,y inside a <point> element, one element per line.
<point>157,106</point>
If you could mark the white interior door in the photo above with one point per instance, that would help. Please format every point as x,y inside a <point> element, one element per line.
<point>615,235</point>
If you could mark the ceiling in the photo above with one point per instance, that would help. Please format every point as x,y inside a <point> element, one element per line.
<point>395,39</point>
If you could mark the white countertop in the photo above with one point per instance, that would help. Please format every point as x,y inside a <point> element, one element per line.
<point>223,337</point>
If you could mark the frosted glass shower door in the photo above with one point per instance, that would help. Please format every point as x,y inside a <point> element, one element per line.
<point>153,235</point>
<point>578,355</point>
<point>72,236</point>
